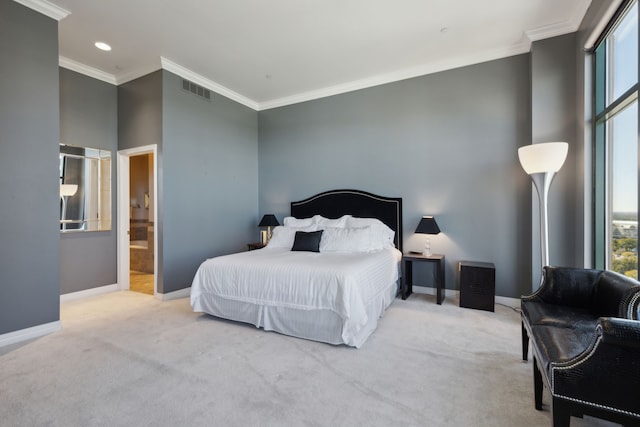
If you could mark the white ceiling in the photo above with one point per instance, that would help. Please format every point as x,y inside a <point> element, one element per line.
<point>266,53</point>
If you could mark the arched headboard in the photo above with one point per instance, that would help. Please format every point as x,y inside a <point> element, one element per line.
<point>336,203</point>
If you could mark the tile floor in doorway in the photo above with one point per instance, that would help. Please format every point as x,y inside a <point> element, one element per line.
<point>141,282</point>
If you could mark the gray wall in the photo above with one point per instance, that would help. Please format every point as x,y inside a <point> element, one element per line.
<point>88,117</point>
<point>29,191</point>
<point>554,117</point>
<point>140,112</point>
<point>207,171</point>
<point>139,125</point>
<point>209,180</point>
<point>447,143</point>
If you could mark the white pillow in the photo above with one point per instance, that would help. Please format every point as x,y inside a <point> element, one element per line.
<point>379,228</point>
<point>298,222</point>
<point>323,222</point>
<point>283,237</point>
<point>350,240</point>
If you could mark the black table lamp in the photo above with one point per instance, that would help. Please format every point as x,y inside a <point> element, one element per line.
<point>427,225</point>
<point>269,221</point>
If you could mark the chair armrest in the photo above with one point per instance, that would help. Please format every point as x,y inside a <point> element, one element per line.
<point>566,286</point>
<point>606,374</point>
<point>616,296</point>
<point>633,307</point>
<point>620,332</point>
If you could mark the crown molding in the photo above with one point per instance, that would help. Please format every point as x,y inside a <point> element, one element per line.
<point>165,64</point>
<point>421,70</point>
<point>78,67</point>
<point>138,72</point>
<point>46,8</point>
<point>523,46</point>
<point>560,28</point>
<point>181,71</point>
<point>95,73</point>
<point>548,31</point>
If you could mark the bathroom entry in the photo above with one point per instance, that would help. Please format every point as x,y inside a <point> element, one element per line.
<point>141,224</point>
<point>137,220</point>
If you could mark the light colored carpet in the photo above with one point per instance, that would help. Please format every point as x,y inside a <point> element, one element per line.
<point>127,359</point>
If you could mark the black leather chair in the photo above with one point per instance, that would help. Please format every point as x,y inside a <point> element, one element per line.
<point>585,336</point>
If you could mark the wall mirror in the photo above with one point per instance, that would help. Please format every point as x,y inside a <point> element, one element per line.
<point>85,189</point>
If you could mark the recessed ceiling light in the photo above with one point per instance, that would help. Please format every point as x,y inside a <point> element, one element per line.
<point>103,46</point>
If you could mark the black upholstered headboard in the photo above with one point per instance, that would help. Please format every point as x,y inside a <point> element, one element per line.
<point>335,203</point>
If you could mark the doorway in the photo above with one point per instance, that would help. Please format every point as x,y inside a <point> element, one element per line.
<point>137,219</point>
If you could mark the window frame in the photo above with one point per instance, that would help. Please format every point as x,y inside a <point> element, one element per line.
<point>602,114</point>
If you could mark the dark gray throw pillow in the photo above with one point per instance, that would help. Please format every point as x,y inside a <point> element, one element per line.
<point>307,241</point>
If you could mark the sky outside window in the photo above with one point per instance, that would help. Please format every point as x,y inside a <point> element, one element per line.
<point>623,128</point>
<point>624,49</point>
<point>624,166</point>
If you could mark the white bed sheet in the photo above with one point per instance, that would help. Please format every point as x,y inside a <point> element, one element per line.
<point>341,294</point>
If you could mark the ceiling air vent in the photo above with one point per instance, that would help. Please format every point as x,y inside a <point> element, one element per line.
<point>197,90</point>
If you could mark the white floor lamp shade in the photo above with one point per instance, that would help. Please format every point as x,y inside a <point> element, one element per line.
<point>541,162</point>
<point>68,189</point>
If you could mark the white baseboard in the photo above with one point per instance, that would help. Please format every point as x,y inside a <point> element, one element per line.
<point>427,290</point>
<point>29,333</point>
<point>72,296</point>
<point>180,293</point>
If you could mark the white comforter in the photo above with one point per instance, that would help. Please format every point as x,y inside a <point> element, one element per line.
<point>344,283</point>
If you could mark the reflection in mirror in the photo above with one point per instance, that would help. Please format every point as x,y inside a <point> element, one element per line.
<point>85,189</point>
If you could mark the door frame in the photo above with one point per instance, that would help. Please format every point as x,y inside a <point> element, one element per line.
<point>124,260</point>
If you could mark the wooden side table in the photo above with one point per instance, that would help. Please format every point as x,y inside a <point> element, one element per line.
<point>409,259</point>
<point>256,245</point>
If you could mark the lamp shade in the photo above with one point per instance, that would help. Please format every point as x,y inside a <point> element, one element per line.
<point>428,225</point>
<point>269,221</point>
<point>545,157</point>
<point>68,189</point>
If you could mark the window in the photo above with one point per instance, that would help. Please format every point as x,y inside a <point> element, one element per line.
<point>616,172</point>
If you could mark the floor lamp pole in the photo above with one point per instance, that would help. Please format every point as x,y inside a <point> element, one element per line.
<point>64,212</point>
<point>542,182</point>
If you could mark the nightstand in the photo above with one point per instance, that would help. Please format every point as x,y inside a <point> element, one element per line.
<point>409,259</point>
<point>256,245</point>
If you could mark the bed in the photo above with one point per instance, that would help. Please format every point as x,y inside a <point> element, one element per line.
<point>333,293</point>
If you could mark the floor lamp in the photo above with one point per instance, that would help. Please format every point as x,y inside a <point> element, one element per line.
<point>66,190</point>
<point>541,162</point>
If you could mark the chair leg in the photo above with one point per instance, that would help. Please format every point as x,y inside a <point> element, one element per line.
<point>561,413</point>
<point>537,385</point>
<point>525,343</point>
